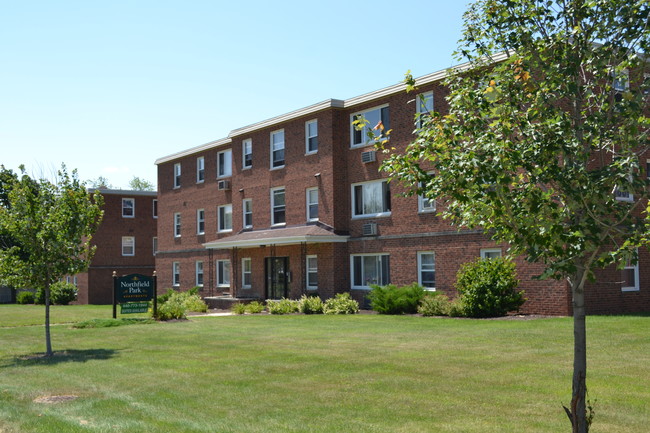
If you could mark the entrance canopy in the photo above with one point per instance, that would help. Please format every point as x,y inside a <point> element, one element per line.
<point>281,236</point>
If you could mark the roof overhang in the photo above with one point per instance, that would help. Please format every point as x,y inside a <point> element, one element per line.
<point>282,236</point>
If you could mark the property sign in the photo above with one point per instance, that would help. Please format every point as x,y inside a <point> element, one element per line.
<point>134,288</point>
<point>134,307</point>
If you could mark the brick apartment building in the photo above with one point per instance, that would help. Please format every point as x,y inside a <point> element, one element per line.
<point>125,240</point>
<point>296,204</point>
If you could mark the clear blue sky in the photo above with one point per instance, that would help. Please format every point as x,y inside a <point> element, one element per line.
<point>108,87</point>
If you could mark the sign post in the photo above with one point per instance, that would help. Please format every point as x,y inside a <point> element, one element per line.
<point>133,292</point>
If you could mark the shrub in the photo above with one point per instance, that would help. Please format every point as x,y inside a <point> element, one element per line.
<point>61,293</point>
<point>487,288</point>
<point>165,296</point>
<point>456,308</point>
<point>310,305</point>
<point>254,307</point>
<point>434,304</point>
<point>173,308</point>
<point>25,298</point>
<point>390,299</point>
<point>342,303</point>
<point>238,308</point>
<point>193,303</point>
<point>283,306</point>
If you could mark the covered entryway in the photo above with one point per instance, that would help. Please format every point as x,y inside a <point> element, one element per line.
<point>277,277</point>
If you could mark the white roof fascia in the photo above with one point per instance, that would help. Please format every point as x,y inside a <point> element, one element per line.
<point>289,240</point>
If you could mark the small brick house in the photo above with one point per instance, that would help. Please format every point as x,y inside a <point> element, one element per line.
<point>125,240</point>
<point>296,204</point>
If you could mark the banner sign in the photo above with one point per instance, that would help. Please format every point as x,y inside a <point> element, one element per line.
<point>134,288</point>
<point>134,307</point>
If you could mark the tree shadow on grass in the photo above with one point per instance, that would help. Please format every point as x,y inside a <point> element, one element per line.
<point>60,356</point>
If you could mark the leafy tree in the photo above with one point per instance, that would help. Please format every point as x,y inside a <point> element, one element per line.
<point>52,224</point>
<point>139,184</point>
<point>100,183</point>
<point>546,133</point>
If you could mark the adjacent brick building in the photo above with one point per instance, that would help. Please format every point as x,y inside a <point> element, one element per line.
<point>296,204</point>
<point>125,240</point>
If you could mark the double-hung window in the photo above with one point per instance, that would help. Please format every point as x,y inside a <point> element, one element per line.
<point>312,204</point>
<point>424,107</point>
<point>247,207</point>
<point>225,218</point>
<point>247,153</point>
<point>246,273</point>
<point>177,175</point>
<point>200,169</point>
<point>278,207</point>
<point>200,222</point>
<point>491,253</point>
<point>223,273</point>
<point>199,273</point>
<point>177,225</point>
<point>277,149</point>
<point>224,163</point>
<point>176,274</point>
<point>311,137</point>
<point>370,269</point>
<point>155,245</point>
<point>128,207</point>
<point>427,270</point>
<point>154,205</point>
<point>376,120</point>
<point>425,204</point>
<point>630,276</point>
<point>312,272</point>
<point>128,245</point>
<point>370,199</point>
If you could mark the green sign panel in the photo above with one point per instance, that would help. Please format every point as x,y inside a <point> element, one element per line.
<point>134,288</point>
<point>134,307</point>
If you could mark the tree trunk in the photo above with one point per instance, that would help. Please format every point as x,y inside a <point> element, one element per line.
<point>48,340</point>
<point>578,410</point>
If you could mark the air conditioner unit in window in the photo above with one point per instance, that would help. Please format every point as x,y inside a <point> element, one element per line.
<point>224,185</point>
<point>368,156</point>
<point>369,229</point>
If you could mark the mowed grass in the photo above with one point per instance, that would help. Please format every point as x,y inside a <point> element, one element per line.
<point>363,373</point>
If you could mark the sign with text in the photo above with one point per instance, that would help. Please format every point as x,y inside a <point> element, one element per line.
<point>134,288</point>
<point>134,307</point>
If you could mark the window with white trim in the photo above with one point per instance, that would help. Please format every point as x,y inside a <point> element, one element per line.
<point>155,245</point>
<point>278,206</point>
<point>630,276</point>
<point>225,218</point>
<point>247,208</point>
<point>154,205</point>
<point>491,253</point>
<point>277,149</point>
<point>312,272</point>
<point>312,204</point>
<point>426,204</point>
<point>177,175</point>
<point>223,273</point>
<point>427,270</point>
<point>247,153</point>
<point>200,221</point>
<point>246,273</point>
<point>128,208</point>
<point>176,274</point>
<point>424,107</point>
<point>369,269</point>
<point>370,199</point>
<point>128,245</point>
<point>200,169</point>
<point>377,120</point>
<point>311,137</point>
<point>199,273</point>
<point>224,163</point>
<point>177,225</point>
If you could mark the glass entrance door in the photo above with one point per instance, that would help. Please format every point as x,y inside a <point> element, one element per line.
<point>277,281</point>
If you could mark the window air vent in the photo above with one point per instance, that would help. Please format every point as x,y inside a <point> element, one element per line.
<point>224,185</point>
<point>368,156</point>
<point>370,229</point>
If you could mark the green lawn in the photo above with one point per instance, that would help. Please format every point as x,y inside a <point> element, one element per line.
<point>364,373</point>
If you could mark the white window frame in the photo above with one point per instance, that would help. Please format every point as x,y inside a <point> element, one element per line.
<point>426,205</point>
<point>177,175</point>
<point>422,269</point>
<point>200,169</point>
<point>379,257</point>
<point>309,137</point>
<point>273,150</point>
<point>177,225</point>
<point>128,242</point>
<point>273,206</point>
<point>154,208</point>
<point>364,131</point>
<point>154,246</point>
<point>125,206</point>
<point>176,274</point>
<point>247,209</point>
<point>385,190</point>
<point>635,267</point>
<point>246,269</point>
<point>309,203</point>
<point>489,253</point>
<point>423,105</point>
<point>309,270</point>
<point>200,221</point>
<point>248,143</point>
<point>222,213</point>
<point>222,266</point>
<point>224,163</point>
<point>199,273</point>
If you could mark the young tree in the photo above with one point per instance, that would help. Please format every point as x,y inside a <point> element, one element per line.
<point>100,183</point>
<point>139,184</point>
<point>52,225</point>
<point>544,142</point>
